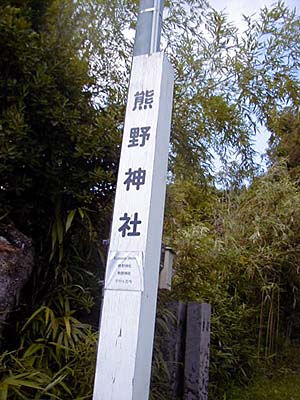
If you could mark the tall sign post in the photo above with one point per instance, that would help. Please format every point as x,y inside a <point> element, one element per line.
<point>129,306</point>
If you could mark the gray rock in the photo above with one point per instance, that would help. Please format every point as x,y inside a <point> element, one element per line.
<point>16,264</point>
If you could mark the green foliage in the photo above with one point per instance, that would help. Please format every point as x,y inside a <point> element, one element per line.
<point>227,81</point>
<point>280,382</point>
<point>58,153</point>
<point>160,387</point>
<point>56,356</point>
<point>64,68</point>
<point>243,258</point>
<point>208,271</point>
<point>284,141</point>
<point>58,163</point>
<point>55,146</point>
<point>27,374</point>
<point>279,388</point>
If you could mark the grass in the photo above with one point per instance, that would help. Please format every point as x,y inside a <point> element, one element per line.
<point>286,387</point>
<point>274,383</point>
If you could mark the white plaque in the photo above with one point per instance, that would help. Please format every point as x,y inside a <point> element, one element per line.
<point>125,271</point>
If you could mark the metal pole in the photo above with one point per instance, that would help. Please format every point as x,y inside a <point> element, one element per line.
<point>148,29</point>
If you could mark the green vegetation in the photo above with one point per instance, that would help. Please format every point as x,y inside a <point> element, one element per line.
<point>281,381</point>
<point>58,163</point>
<point>64,70</point>
<point>285,387</point>
<point>242,258</point>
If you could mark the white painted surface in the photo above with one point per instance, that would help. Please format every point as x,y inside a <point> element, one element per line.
<point>128,314</point>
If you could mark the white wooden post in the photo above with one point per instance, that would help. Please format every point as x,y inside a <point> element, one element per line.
<point>128,313</point>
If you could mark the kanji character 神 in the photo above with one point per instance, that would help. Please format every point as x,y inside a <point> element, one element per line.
<point>135,178</point>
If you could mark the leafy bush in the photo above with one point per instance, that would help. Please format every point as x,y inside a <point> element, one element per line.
<point>28,373</point>
<point>58,163</point>
<point>243,258</point>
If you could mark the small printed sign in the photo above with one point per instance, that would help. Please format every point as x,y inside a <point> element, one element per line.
<point>125,271</point>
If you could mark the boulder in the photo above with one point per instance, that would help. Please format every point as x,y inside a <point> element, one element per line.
<point>16,264</point>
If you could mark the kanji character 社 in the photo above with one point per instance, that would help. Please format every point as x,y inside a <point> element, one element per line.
<point>126,228</point>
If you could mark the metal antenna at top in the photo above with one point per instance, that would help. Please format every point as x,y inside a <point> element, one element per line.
<point>148,29</point>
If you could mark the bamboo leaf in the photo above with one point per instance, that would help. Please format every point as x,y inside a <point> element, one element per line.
<point>68,326</point>
<point>61,253</point>
<point>70,218</point>
<point>19,394</point>
<point>54,383</point>
<point>32,349</point>
<point>54,235</point>
<point>32,317</point>
<point>3,391</point>
<point>18,380</point>
<point>81,212</point>
<point>60,231</point>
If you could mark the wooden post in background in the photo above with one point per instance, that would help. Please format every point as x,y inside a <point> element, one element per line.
<point>197,351</point>
<point>173,347</point>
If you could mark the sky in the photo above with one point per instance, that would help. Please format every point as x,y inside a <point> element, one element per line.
<point>235,9</point>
